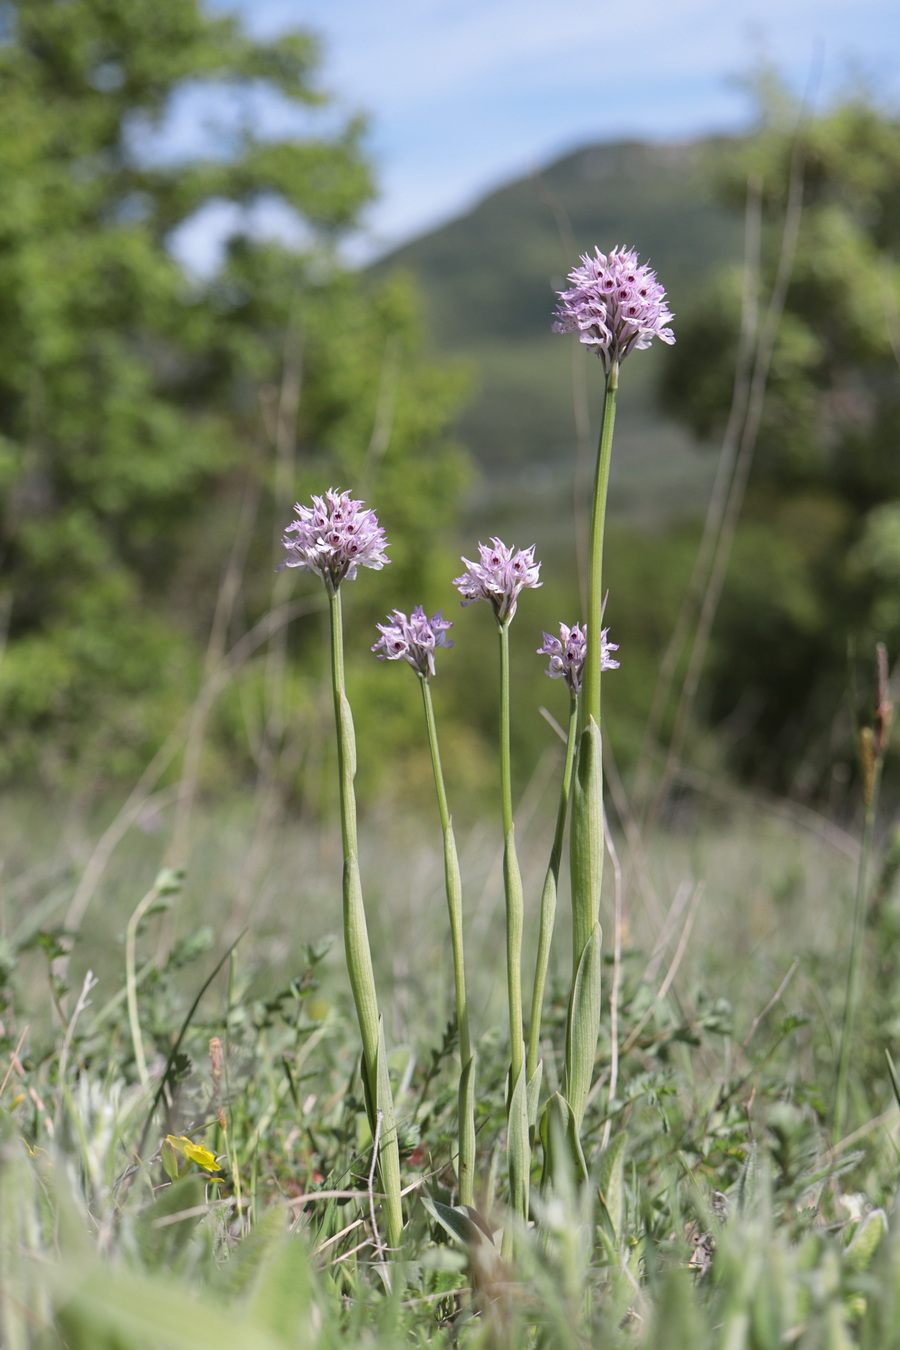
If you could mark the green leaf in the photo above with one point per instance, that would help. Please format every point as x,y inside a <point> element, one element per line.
<point>388,1151</point>
<point>167,1225</point>
<point>466,1120</point>
<point>895,1079</point>
<point>859,1252</point>
<point>103,1306</point>
<point>518,1147</point>
<point>455,1220</point>
<point>348,741</point>
<point>611,1185</point>
<point>749,1188</point>
<point>586,840</point>
<point>584,1025</point>
<point>534,1093</point>
<point>282,1301</point>
<point>561,1145</point>
<point>359,962</point>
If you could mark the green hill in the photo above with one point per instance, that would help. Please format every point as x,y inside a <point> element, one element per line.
<point>489,280</point>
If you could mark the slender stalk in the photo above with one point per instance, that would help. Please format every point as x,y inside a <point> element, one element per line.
<point>466,1101</point>
<point>586,846</point>
<point>616,982</point>
<point>131,982</point>
<point>586,843</point>
<point>548,896</point>
<point>511,875</point>
<point>356,943</point>
<point>518,1145</point>
<point>452,876</point>
<point>591,686</point>
<point>356,936</point>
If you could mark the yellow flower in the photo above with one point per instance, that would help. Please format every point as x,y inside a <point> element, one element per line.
<point>175,1145</point>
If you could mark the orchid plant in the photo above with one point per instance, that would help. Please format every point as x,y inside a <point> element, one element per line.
<point>334,538</point>
<point>616,305</point>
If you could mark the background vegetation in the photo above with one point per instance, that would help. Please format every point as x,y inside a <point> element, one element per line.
<point>157,429</point>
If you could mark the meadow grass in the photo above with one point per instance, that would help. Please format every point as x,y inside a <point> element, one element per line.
<point>721,1218</point>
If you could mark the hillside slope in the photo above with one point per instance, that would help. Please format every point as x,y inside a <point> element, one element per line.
<point>489,280</point>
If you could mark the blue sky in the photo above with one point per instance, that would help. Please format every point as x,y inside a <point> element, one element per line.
<point>464,94</point>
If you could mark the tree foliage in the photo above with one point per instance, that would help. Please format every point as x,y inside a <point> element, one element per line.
<point>815,564</point>
<point>134,400</point>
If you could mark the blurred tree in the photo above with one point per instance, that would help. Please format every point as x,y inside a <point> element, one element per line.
<point>134,402</point>
<point>814,568</point>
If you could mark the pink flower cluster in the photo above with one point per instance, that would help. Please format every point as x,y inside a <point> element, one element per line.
<point>498,577</point>
<point>413,639</point>
<point>567,653</point>
<point>615,305</point>
<point>334,537</point>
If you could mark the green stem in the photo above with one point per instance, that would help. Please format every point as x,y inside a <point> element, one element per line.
<point>548,896</point>
<point>356,936</point>
<point>345,733</point>
<point>511,875</point>
<point>131,983</point>
<point>586,846</point>
<point>586,839</point>
<point>518,1146</point>
<point>466,1101</point>
<point>356,943</point>
<point>591,685</point>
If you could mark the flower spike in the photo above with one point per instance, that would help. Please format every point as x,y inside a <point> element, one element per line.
<point>413,639</point>
<point>334,537</point>
<point>567,653</point>
<point>499,578</point>
<point>615,305</point>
